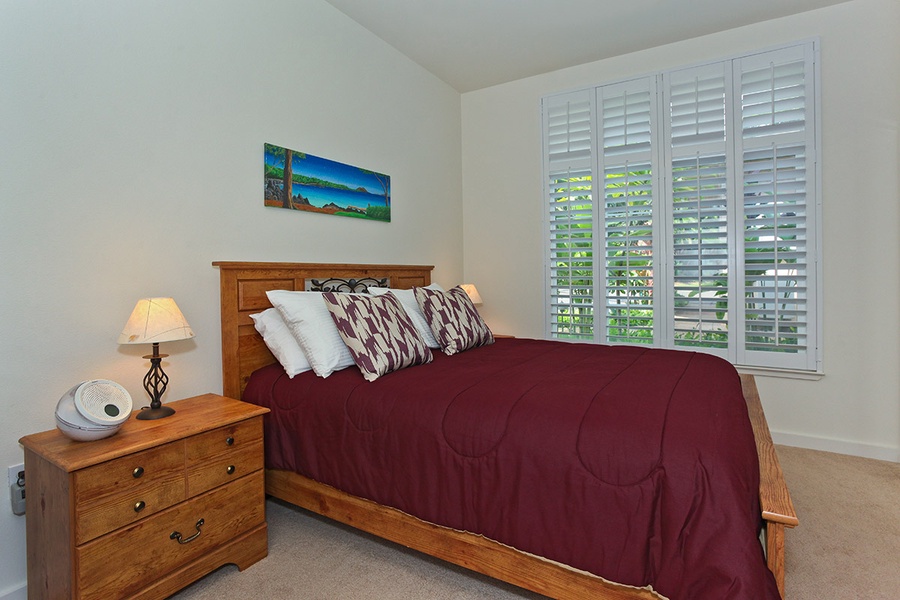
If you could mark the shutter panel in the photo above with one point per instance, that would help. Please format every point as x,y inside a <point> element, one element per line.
<point>775,250</point>
<point>627,115</point>
<point>778,224</point>
<point>700,253</point>
<point>568,163</point>
<point>696,100</point>
<point>697,158</point>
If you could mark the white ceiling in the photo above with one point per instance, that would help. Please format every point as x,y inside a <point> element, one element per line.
<point>473,44</point>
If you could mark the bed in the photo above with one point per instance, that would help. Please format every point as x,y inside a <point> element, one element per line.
<point>243,292</point>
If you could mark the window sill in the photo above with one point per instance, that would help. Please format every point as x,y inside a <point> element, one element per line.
<point>780,373</point>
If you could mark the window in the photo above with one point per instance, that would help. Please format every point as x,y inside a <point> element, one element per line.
<point>682,210</point>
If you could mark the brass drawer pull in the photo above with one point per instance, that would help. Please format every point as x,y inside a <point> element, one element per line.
<point>230,470</point>
<point>138,471</point>
<point>177,536</point>
<point>139,506</point>
<point>229,441</point>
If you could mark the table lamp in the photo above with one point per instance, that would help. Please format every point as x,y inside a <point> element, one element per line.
<point>155,320</point>
<point>472,291</point>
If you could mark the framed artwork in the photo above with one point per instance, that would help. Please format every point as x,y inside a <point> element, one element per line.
<point>315,184</point>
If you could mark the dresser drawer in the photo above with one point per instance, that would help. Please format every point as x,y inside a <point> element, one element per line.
<point>223,455</point>
<point>123,562</point>
<point>126,489</point>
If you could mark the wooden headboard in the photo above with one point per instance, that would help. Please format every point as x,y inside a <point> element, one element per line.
<point>243,287</point>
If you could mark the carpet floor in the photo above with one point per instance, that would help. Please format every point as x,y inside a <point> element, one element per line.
<point>846,548</point>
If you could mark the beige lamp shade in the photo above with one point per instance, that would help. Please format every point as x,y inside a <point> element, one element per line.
<point>472,291</point>
<point>155,320</point>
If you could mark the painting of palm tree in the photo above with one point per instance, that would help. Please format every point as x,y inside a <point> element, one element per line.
<point>300,181</point>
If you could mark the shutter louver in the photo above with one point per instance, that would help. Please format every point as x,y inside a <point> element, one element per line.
<point>570,219</point>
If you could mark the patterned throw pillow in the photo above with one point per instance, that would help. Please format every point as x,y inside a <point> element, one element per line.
<point>452,317</point>
<point>380,335</point>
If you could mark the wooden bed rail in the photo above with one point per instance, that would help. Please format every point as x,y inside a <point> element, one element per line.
<point>474,552</point>
<point>774,498</point>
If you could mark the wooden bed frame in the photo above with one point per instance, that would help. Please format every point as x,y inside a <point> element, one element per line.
<point>243,292</point>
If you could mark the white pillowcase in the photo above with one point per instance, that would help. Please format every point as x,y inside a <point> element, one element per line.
<point>281,341</point>
<point>408,300</point>
<point>309,321</point>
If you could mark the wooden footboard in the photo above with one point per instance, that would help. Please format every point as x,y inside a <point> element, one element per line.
<point>243,287</point>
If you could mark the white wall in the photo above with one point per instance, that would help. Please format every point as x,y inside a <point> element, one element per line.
<point>131,143</point>
<point>855,408</point>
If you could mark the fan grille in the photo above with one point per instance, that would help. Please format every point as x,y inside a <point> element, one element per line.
<point>103,401</point>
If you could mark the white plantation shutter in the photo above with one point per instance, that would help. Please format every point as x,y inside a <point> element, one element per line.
<point>627,161</point>
<point>568,163</point>
<point>697,159</point>
<point>700,231</point>
<point>776,143</point>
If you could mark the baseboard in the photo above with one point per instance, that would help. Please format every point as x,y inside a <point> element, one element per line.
<point>15,593</point>
<point>838,446</point>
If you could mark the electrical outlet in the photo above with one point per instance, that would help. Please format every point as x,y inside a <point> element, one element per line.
<point>16,477</point>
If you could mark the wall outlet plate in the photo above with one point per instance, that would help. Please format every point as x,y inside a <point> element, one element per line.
<point>17,488</point>
<point>13,474</point>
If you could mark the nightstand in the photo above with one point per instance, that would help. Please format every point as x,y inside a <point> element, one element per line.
<point>149,510</point>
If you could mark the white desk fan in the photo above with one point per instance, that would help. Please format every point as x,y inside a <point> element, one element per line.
<point>93,409</point>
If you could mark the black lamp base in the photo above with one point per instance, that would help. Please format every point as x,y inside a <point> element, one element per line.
<point>147,413</point>
<point>155,382</point>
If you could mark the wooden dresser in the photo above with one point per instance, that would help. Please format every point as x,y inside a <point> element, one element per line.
<point>149,510</point>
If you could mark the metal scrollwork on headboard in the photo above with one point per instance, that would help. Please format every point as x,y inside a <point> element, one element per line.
<point>352,285</point>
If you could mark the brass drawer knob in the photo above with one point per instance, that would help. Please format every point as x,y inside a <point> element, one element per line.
<point>138,471</point>
<point>230,470</point>
<point>229,441</point>
<point>139,506</point>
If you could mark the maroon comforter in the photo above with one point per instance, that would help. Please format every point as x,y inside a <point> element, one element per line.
<point>637,465</point>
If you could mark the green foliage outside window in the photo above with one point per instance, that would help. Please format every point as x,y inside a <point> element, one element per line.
<point>628,264</point>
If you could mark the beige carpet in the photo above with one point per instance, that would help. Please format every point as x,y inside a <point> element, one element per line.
<point>313,558</point>
<point>846,548</point>
<point>848,543</point>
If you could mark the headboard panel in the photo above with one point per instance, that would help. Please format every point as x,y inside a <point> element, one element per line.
<point>243,287</point>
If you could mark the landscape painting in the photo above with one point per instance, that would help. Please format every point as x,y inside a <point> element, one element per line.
<point>300,181</point>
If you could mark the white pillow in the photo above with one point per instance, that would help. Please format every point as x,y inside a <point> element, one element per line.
<point>309,321</point>
<point>281,342</point>
<point>408,300</point>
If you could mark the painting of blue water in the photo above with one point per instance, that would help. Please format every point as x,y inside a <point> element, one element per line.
<point>324,186</point>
